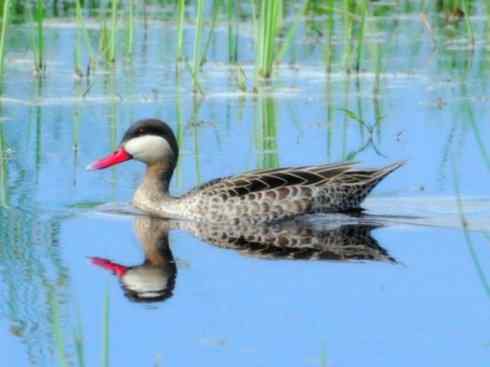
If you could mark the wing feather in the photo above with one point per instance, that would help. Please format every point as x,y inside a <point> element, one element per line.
<point>268,179</point>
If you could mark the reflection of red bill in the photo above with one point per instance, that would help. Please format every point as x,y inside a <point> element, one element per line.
<point>118,269</point>
<point>117,157</point>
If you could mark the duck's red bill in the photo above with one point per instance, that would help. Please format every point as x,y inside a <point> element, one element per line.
<point>117,157</point>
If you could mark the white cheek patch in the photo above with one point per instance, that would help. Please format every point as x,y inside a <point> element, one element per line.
<point>149,148</point>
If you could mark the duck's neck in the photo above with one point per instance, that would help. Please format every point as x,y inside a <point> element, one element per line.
<point>153,192</point>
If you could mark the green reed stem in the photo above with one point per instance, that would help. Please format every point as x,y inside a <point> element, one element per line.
<point>216,6</point>
<point>196,63</point>
<point>180,29</point>
<point>291,33</point>
<point>231,9</point>
<point>112,45</point>
<point>360,37</point>
<point>268,27</point>
<point>180,129</point>
<point>78,50</point>
<point>467,22</point>
<point>82,30</point>
<point>130,39</point>
<point>39,14</point>
<point>5,19</point>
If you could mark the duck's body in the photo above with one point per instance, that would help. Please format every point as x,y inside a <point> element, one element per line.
<point>253,197</point>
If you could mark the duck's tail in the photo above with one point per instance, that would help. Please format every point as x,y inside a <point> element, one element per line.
<point>376,175</point>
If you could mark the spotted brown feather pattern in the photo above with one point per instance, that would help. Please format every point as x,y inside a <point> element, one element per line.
<point>276,194</point>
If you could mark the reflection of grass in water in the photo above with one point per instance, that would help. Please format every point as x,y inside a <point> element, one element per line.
<point>323,357</point>
<point>39,140</point>
<point>266,136</point>
<point>78,341</point>
<point>32,274</point>
<point>61,340</point>
<point>469,241</point>
<point>3,170</point>
<point>56,327</point>
<point>467,110</point>
<point>105,351</point>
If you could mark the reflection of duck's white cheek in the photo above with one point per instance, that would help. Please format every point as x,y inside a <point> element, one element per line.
<point>147,282</point>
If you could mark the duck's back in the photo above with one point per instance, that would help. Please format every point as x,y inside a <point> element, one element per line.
<point>276,194</point>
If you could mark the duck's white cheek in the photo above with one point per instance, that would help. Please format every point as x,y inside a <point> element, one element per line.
<point>148,148</point>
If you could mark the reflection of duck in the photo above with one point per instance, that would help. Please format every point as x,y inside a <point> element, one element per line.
<point>294,240</point>
<point>154,280</point>
<point>253,197</point>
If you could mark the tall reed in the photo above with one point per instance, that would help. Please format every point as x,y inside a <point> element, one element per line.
<point>112,45</point>
<point>5,20</point>
<point>82,33</point>
<point>269,22</point>
<point>196,53</point>
<point>180,29</point>
<point>38,40</point>
<point>130,34</point>
<point>214,18</point>
<point>231,12</point>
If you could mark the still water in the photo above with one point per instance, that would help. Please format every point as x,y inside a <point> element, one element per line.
<point>411,287</point>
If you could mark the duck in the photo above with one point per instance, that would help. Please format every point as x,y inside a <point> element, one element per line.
<point>254,197</point>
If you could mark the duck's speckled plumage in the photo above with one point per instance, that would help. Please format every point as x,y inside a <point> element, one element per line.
<point>270,195</point>
<point>254,197</point>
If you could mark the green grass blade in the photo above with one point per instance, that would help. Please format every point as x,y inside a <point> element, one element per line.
<point>180,29</point>
<point>5,20</point>
<point>196,53</point>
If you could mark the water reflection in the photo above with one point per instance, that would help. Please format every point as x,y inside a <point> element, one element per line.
<point>154,279</point>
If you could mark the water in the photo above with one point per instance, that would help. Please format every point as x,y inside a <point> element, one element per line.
<point>425,302</point>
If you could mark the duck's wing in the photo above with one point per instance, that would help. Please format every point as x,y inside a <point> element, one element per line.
<point>319,175</point>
